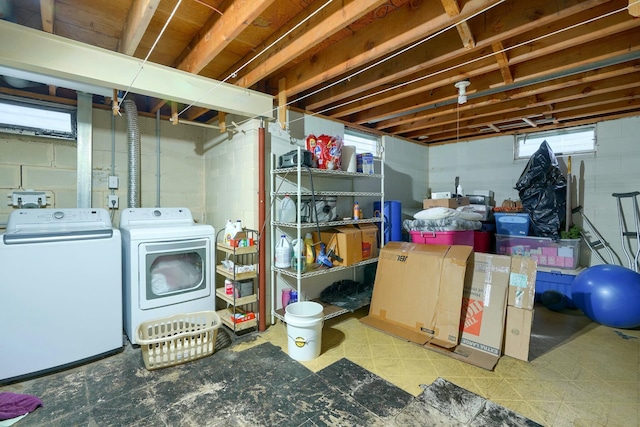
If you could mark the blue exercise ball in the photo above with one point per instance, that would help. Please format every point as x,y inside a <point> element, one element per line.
<point>608,294</point>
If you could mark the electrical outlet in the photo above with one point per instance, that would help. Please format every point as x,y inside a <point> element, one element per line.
<point>113,182</point>
<point>112,202</point>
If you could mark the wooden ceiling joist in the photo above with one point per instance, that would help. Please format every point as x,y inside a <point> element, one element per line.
<point>453,9</point>
<point>138,20</point>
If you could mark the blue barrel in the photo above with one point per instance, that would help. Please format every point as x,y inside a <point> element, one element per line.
<point>392,220</point>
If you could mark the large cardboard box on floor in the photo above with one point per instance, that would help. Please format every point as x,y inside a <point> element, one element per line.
<point>346,242</point>
<point>417,294</point>
<point>517,335</point>
<point>483,312</point>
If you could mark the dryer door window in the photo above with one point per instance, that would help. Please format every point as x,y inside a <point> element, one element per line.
<point>174,272</point>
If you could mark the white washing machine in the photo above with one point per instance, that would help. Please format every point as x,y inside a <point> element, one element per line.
<point>168,265</point>
<point>60,290</point>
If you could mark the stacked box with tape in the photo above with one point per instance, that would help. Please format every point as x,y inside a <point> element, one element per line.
<point>522,292</point>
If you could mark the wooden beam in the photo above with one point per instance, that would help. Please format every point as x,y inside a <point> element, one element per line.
<point>529,122</point>
<point>138,20</point>
<point>426,55</point>
<point>222,121</point>
<point>282,103</point>
<point>402,27</point>
<point>503,61</point>
<point>466,35</point>
<point>174,113</point>
<point>320,27</point>
<point>222,31</point>
<point>47,12</point>
<point>634,8</point>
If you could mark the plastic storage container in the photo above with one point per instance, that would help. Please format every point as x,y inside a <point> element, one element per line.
<point>561,254</point>
<point>443,237</point>
<point>178,339</point>
<point>512,224</point>
<point>555,280</point>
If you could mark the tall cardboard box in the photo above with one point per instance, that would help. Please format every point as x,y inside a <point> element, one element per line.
<point>518,333</point>
<point>369,240</point>
<point>417,294</point>
<point>522,282</point>
<point>483,312</point>
<point>522,290</point>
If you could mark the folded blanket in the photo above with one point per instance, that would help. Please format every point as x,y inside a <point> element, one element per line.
<point>13,405</point>
<point>444,224</point>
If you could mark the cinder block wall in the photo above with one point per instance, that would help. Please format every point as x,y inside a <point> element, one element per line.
<point>49,165</point>
<point>489,164</point>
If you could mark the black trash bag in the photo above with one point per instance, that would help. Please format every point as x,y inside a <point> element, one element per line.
<point>543,192</point>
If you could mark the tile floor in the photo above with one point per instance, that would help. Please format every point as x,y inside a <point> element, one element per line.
<point>581,373</point>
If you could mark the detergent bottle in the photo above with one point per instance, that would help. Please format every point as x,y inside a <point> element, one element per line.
<point>283,253</point>
<point>309,249</point>
<point>356,211</point>
<point>229,231</point>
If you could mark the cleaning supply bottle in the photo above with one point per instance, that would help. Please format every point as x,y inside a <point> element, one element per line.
<point>229,231</point>
<point>309,249</point>
<point>298,260</point>
<point>287,210</point>
<point>356,211</point>
<point>283,253</point>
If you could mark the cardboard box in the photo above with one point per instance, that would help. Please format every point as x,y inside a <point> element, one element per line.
<point>485,304</point>
<point>417,294</point>
<point>522,282</point>
<point>445,203</point>
<point>517,335</point>
<point>483,313</point>
<point>345,241</point>
<point>369,240</point>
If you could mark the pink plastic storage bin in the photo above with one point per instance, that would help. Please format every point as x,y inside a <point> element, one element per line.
<point>563,254</point>
<point>443,237</point>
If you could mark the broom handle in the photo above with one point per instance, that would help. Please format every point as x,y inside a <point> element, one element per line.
<point>568,201</point>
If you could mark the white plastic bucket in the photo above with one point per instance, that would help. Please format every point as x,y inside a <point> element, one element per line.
<point>304,321</point>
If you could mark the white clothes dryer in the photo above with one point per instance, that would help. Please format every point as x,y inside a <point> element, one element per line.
<point>168,264</point>
<point>61,290</point>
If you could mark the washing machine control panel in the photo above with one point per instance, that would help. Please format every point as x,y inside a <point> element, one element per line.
<point>29,220</point>
<point>132,217</point>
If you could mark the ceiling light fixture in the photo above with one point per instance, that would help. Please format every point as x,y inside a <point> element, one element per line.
<point>462,91</point>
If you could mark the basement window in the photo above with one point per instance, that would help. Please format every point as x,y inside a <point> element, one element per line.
<point>364,142</point>
<point>563,142</point>
<point>38,119</point>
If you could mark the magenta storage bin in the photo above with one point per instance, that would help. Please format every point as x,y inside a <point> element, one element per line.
<point>443,237</point>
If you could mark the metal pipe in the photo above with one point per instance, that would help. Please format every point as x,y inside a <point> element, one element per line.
<point>262,258</point>
<point>133,140</point>
<point>158,158</point>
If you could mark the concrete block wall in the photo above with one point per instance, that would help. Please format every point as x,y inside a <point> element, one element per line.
<point>49,165</point>
<point>489,164</point>
<point>231,177</point>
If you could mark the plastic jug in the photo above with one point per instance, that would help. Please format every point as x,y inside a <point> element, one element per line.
<point>287,211</point>
<point>298,261</point>
<point>229,231</point>
<point>309,250</point>
<point>283,253</point>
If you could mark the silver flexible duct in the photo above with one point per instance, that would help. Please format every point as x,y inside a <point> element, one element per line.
<point>133,140</point>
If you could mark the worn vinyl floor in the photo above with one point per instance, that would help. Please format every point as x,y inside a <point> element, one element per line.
<point>581,374</point>
<point>259,386</point>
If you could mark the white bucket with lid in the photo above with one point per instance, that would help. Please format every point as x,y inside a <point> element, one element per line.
<point>304,321</point>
